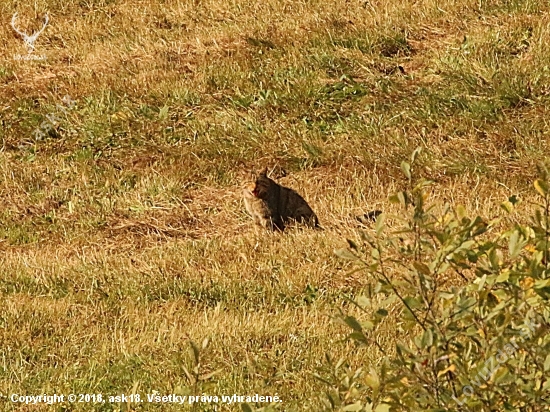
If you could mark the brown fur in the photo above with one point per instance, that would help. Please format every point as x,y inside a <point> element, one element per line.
<point>274,206</point>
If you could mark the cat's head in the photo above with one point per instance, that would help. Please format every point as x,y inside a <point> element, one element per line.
<point>262,184</point>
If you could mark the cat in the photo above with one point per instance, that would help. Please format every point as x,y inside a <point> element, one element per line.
<point>274,206</point>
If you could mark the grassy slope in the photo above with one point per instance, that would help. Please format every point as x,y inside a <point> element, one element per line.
<point>122,233</point>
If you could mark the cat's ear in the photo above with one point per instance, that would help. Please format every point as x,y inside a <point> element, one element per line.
<point>263,172</point>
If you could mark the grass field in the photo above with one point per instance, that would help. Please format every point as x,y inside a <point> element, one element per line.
<point>123,235</point>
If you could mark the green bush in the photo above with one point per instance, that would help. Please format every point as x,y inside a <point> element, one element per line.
<point>469,299</point>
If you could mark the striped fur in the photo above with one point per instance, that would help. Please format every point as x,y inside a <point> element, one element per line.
<point>274,206</point>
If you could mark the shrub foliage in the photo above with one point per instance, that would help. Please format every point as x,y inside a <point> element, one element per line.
<point>470,298</point>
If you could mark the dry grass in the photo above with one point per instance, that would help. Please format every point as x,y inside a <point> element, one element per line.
<point>122,233</point>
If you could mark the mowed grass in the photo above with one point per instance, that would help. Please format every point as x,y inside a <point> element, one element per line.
<point>123,236</point>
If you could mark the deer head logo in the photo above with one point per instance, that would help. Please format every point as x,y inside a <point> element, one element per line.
<point>29,40</point>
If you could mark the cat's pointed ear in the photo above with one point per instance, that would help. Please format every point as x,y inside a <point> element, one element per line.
<point>264,172</point>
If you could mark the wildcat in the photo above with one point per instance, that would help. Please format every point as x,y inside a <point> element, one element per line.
<point>274,206</point>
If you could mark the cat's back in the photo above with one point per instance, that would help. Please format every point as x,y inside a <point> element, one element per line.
<point>298,209</point>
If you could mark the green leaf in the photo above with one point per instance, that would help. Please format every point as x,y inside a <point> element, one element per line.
<point>500,375</point>
<point>427,338</point>
<point>393,199</point>
<point>516,244</point>
<point>461,212</point>
<point>541,186</point>
<point>507,206</point>
<point>368,325</point>
<point>379,227</point>
<point>547,363</point>
<point>357,406</point>
<point>389,300</point>
<point>353,323</point>
<point>480,282</point>
<point>363,301</point>
<point>406,168</point>
<point>412,302</point>
<point>246,407</point>
<point>402,198</point>
<point>503,277</point>
<point>334,399</point>
<point>359,337</point>
<point>404,348</point>
<point>422,268</point>
<point>381,312</point>
<point>345,254</point>
<point>495,258</point>
<point>415,153</point>
<point>447,295</point>
<point>542,283</point>
<point>383,407</point>
<point>372,380</point>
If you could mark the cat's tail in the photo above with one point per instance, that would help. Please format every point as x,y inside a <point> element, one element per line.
<point>369,217</point>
